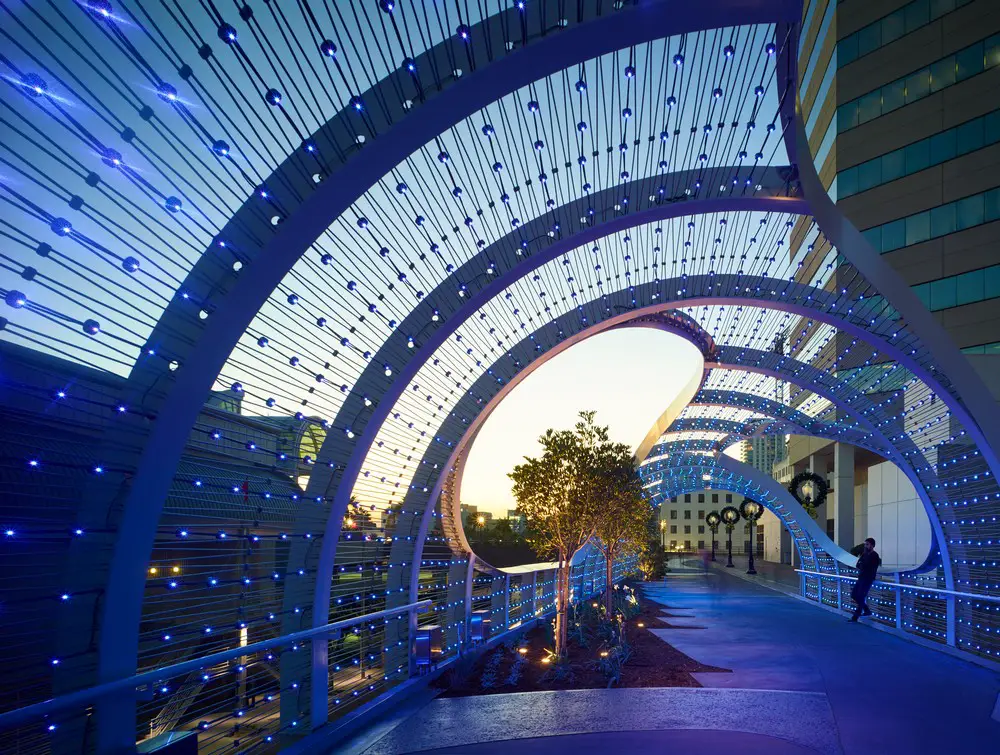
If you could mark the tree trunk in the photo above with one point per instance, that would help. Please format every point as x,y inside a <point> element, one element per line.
<point>562,596</point>
<point>609,596</point>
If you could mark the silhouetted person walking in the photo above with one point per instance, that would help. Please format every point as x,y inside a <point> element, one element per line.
<point>868,564</point>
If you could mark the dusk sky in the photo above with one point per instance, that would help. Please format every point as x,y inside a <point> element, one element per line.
<point>627,376</point>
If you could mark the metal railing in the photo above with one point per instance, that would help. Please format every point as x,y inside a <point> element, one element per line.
<point>902,586</point>
<point>83,697</point>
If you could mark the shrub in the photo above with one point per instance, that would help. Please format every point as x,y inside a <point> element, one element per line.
<point>491,671</point>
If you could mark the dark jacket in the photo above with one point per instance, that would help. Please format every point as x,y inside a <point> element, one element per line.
<point>868,565</point>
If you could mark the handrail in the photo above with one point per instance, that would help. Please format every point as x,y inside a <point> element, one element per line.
<point>46,707</point>
<point>974,596</point>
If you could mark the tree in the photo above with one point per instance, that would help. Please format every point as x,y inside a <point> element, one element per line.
<point>622,525</point>
<point>559,495</point>
<point>652,562</point>
<point>502,533</point>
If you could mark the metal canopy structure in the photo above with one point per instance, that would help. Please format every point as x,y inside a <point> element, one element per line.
<point>267,270</point>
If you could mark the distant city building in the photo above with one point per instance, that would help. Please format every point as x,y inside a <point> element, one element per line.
<point>473,517</point>
<point>764,452</point>
<point>682,519</point>
<point>517,521</point>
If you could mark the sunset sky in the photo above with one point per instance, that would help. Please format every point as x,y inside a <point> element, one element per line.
<point>627,376</point>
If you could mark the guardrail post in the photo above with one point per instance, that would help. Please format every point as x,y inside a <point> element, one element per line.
<point>533,605</point>
<point>950,607</point>
<point>899,604</point>
<point>506,602</point>
<point>840,586</point>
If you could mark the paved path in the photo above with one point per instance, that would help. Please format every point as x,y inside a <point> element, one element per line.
<point>887,695</point>
<point>803,682</point>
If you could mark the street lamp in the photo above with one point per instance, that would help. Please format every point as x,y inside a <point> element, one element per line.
<point>751,511</point>
<point>663,534</point>
<point>730,516</point>
<point>713,520</point>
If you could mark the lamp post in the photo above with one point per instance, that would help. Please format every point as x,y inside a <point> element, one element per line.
<point>713,520</point>
<point>730,516</point>
<point>751,511</point>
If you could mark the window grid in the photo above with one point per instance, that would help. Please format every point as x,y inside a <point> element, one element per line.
<point>896,25</point>
<point>962,65</point>
<point>935,149</point>
<point>983,348</point>
<point>967,212</point>
<point>957,290</point>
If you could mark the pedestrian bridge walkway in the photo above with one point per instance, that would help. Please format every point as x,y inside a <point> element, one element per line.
<point>803,681</point>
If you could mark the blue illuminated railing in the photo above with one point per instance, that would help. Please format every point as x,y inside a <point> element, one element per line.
<point>87,696</point>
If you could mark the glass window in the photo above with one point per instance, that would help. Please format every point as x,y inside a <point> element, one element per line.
<point>970,136</point>
<point>673,499</point>
<point>874,237</point>
<point>869,39</point>
<point>847,116</point>
<point>847,182</point>
<point>991,127</point>
<point>687,529</point>
<point>992,202</point>
<point>893,26</point>
<point>870,106</point>
<point>918,228</point>
<point>917,13</point>
<point>943,73</point>
<point>729,497</point>
<point>942,220</point>
<point>893,95</point>
<point>917,156</point>
<point>869,174</point>
<point>673,545</point>
<point>969,287</point>
<point>701,544</point>
<point>701,529</point>
<point>893,165</point>
<point>942,147</point>
<point>673,529</point>
<point>847,50</point>
<point>673,513</point>
<point>942,294</point>
<point>701,497</point>
<point>969,61</point>
<point>893,235</point>
<point>687,498</point>
<point>970,211</point>
<point>923,292</point>
<point>701,513</point>
<point>917,85</point>
<point>715,497</point>
<point>940,7</point>
<point>687,545</point>
<point>991,51</point>
<point>687,514</point>
<point>991,289</point>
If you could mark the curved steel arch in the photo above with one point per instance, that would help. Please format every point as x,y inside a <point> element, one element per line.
<point>938,542</point>
<point>771,494</point>
<point>840,395</point>
<point>202,360</point>
<point>804,300</point>
<point>641,318</point>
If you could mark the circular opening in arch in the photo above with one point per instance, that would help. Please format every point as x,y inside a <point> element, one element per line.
<point>628,376</point>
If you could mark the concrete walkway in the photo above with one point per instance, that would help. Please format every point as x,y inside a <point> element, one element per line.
<point>803,681</point>
<point>886,695</point>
